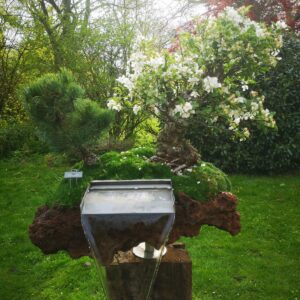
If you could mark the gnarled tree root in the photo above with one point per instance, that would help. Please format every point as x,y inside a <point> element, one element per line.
<point>55,229</point>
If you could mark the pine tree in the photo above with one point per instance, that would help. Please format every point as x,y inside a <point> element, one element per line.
<point>67,121</point>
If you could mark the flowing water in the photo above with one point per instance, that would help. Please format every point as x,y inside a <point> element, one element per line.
<point>119,217</point>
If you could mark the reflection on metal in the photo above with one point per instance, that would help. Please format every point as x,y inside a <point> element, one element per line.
<point>146,251</point>
<point>118,216</point>
<point>128,197</point>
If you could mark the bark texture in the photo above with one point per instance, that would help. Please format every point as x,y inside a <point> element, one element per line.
<point>174,149</point>
<point>55,229</point>
<point>127,273</point>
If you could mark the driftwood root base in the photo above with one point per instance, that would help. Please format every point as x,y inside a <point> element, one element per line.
<point>55,229</point>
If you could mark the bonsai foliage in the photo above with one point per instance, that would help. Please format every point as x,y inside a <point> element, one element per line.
<point>210,71</point>
<point>66,120</point>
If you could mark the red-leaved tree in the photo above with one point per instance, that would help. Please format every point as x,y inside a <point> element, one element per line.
<point>268,10</point>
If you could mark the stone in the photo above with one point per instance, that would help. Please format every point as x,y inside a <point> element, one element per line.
<point>87,264</point>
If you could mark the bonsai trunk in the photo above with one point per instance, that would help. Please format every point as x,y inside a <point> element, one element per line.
<point>174,149</point>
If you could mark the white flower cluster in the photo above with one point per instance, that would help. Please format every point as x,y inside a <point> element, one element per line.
<point>113,105</point>
<point>136,62</point>
<point>185,110</point>
<point>162,78</point>
<point>275,54</point>
<point>126,82</point>
<point>194,94</point>
<point>136,109</point>
<point>233,15</point>
<point>184,67</point>
<point>136,65</point>
<point>245,86</point>
<point>281,25</point>
<point>246,110</point>
<point>243,22</point>
<point>211,83</point>
<point>156,62</point>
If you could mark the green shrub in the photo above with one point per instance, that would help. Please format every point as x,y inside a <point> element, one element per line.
<point>21,137</point>
<point>68,122</point>
<point>201,182</point>
<point>267,150</point>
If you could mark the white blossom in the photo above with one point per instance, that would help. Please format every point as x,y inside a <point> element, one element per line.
<point>156,110</point>
<point>194,94</point>
<point>240,99</point>
<point>281,25</point>
<point>275,52</point>
<point>193,80</point>
<point>215,119</point>
<point>260,32</point>
<point>184,110</point>
<point>136,109</point>
<point>245,87</point>
<point>246,132</point>
<point>211,83</point>
<point>254,106</point>
<point>199,72</point>
<point>126,82</point>
<point>156,62</point>
<point>237,120</point>
<point>233,15</point>
<point>113,105</point>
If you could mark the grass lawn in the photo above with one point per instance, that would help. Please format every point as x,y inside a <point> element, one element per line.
<point>262,262</point>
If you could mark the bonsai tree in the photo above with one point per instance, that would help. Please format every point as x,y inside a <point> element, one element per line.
<point>66,120</point>
<point>210,70</point>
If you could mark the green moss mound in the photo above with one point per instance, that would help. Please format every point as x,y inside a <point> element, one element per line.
<point>201,182</point>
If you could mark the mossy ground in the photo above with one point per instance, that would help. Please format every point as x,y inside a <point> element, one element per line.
<point>262,262</point>
<point>201,182</point>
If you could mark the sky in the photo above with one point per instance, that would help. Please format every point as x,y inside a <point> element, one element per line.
<point>168,8</point>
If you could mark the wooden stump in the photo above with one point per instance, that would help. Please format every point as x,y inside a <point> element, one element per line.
<point>173,281</point>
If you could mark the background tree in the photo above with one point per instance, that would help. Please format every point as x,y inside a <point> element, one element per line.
<point>268,11</point>
<point>12,52</point>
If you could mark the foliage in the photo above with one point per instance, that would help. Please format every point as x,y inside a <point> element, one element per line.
<point>68,122</point>
<point>13,137</point>
<point>201,182</point>
<point>211,72</point>
<point>12,62</point>
<point>266,150</point>
<point>267,11</point>
<point>146,132</point>
<point>260,263</point>
<point>93,39</point>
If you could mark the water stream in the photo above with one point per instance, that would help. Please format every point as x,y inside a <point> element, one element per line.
<point>117,218</point>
